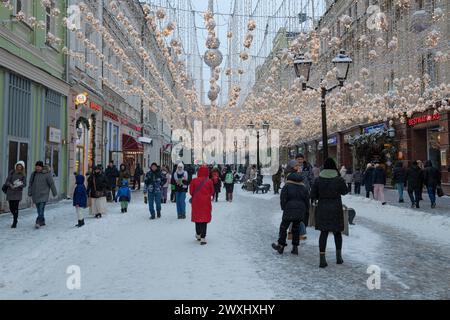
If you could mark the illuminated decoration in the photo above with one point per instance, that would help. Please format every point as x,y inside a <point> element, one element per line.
<point>423,119</point>
<point>81,98</point>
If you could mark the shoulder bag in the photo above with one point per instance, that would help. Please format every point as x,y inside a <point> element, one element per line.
<point>198,188</point>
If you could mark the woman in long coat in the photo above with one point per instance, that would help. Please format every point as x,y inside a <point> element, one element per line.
<point>328,189</point>
<point>201,190</point>
<point>16,182</point>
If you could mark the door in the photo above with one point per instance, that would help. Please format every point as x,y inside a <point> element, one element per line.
<point>434,147</point>
<point>18,151</point>
<point>52,161</point>
<point>79,160</point>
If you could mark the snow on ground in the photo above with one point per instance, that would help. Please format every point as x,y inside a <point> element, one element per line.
<point>124,256</point>
<point>425,225</point>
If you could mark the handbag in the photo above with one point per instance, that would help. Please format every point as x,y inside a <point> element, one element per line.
<point>312,215</point>
<point>440,192</point>
<point>346,228</point>
<point>5,188</point>
<point>198,188</point>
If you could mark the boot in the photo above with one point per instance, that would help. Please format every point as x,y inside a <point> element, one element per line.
<point>202,241</point>
<point>323,261</point>
<point>294,250</point>
<point>158,214</point>
<point>339,257</point>
<point>122,210</point>
<point>80,223</point>
<point>14,224</point>
<point>126,209</point>
<point>278,248</point>
<point>198,237</point>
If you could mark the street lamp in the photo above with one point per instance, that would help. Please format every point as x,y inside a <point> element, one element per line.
<point>265,127</point>
<point>302,67</point>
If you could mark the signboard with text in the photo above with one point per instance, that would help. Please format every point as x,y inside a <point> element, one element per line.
<point>423,119</point>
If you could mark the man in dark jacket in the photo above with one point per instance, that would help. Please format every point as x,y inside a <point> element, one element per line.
<point>137,177</point>
<point>41,182</point>
<point>294,201</point>
<point>431,179</point>
<point>152,188</point>
<point>414,181</point>
<point>399,176</point>
<point>357,178</point>
<point>368,180</point>
<point>306,171</point>
<point>276,179</point>
<point>112,174</point>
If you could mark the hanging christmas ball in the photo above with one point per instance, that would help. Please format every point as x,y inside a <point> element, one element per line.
<point>297,121</point>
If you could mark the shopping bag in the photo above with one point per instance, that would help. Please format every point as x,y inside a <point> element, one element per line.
<point>312,215</point>
<point>346,229</point>
<point>440,192</point>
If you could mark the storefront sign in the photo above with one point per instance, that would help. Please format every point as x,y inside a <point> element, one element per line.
<point>375,128</point>
<point>111,115</point>
<point>331,141</point>
<point>423,119</point>
<point>53,135</point>
<point>95,106</point>
<point>81,98</point>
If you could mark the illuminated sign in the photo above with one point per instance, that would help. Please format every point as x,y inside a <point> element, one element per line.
<point>81,98</point>
<point>95,106</point>
<point>423,119</point>
<point>111,115</point>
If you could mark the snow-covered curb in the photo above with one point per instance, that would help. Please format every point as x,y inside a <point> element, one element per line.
<point>432,227</point>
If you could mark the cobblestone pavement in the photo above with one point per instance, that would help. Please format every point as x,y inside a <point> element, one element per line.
<point>411,268</point>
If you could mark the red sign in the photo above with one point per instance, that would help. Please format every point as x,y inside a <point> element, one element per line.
<point>111,115</point>
<point>423,119</point>
<point>95,106</point>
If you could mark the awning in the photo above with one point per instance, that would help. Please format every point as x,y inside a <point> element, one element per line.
<point>145,140</point>
<point>129,144</point>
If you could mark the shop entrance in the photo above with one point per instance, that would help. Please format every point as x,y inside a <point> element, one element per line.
<point>434,147</point>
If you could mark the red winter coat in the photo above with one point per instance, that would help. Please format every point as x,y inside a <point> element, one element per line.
<point>201,202</point>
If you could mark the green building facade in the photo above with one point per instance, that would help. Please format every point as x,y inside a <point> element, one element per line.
<point>33,90</point>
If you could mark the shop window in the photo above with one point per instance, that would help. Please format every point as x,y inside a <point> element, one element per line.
<point>52,158</point>
<point>18,151</point>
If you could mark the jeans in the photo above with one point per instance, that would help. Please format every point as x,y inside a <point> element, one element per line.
<point>40,211</point>
<point>154,198</point>
<point>181,203</point>
<point>414,195</point>
<point>399,187</point>
<point>378,192</point>
<point>164,194</point>
<point>432,194</point>
<point>295,232</point>
<point>357,188</point>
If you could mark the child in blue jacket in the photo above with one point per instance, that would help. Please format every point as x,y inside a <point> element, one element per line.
<point>80,199</point>
<point>123,196</point>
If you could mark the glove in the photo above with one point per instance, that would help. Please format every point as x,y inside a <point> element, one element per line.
<point>145,199</point>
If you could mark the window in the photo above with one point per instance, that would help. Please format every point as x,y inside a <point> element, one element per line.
<point>50,22</point>
<point>419,4</point>
<point>52,158</point>
<point>23,5</point>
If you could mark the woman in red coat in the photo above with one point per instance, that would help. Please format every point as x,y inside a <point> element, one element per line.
<point>201,190</point>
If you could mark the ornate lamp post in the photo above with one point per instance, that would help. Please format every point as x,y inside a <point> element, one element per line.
<point>265,127</point>
<point>302,67</point>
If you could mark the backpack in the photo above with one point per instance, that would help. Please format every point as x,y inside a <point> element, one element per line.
<point>229,178</point>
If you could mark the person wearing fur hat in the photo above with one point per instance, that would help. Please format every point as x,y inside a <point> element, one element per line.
<point>152,190</point>
<point>328,189</point>
<point>80,199</point>
<point>41,182</point>
<point>15,183</point>
<point>180,180</point>
<point>294,201</point>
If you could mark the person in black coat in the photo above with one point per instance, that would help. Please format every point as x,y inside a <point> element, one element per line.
<point>379,180</point>
<point>112,174</point>
<point>431,179</point>
<point>96,190</point>
<point>399,178</point>
<point>414,181</point>
<point>294,201</point>
<point>138,172</point>
<point>368,180</point>
<point>328,189</point>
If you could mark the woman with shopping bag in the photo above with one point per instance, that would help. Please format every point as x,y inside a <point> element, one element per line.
<point>329,214</point>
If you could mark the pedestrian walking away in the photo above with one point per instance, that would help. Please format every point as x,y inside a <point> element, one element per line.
<point>96,191</point>
<point>379,180</point>
<point>276,180</point>
<point>348,177</point>
<point>80,199</point>
<point>41,182</point>
<point>431,180</point>
<point>414,182</point>
<point>229,184</point>
<point>152,190</point>
<point>215,177</point>
<point>294,201</point>
<point>15,183</point>
<point>201,190</point>
<point>124,196</point>
<point>180,180</point>
<point>137,177</point>
<point>327,190</point>
<point>399,179</point>
<point>112,174</point>
<point>357,179</point>
<point>368,180</point>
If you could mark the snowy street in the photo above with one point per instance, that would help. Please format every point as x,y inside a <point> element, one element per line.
<point>128,256</point>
